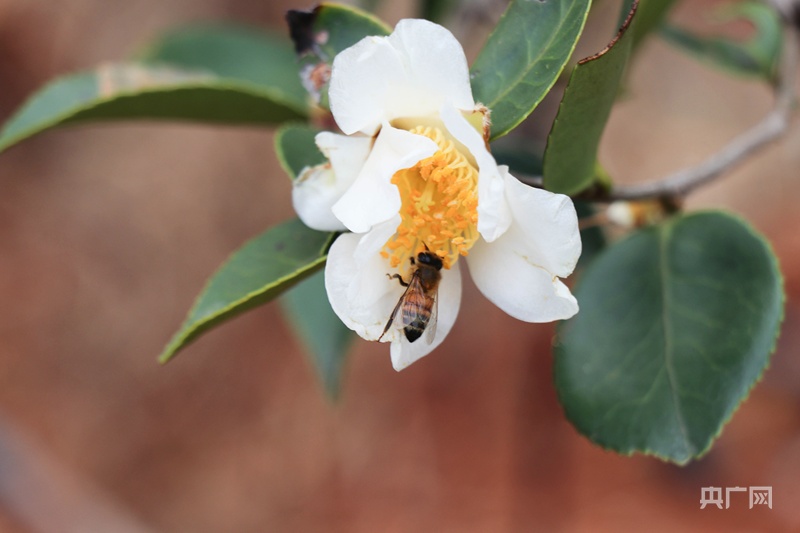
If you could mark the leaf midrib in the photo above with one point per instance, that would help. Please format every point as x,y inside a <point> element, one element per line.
<point>516,81</point>
<point>666,324</point>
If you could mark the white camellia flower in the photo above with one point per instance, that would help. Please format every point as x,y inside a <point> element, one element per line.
<point>413,173</point>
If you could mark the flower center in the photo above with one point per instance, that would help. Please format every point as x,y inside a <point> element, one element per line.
<point>439,209</point>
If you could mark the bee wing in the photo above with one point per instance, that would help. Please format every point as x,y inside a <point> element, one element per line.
<point>414,302</point>
<point>392,322</point>
<point>430,330</point>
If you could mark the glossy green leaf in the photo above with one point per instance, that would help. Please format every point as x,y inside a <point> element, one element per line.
<point>524,56</point>
<point>677,323</point>
<point>649,16</point>
<point>757,56</point>
<point>322,33</point>
<point>330,28</point>
<point>323,334</point>
<point>306,306</point>
<point>250,57</point>
<point>209,74</point>
<point>344,26</point>
<point>258,272</point>
<point>296,149</point>
<point>571,153</point>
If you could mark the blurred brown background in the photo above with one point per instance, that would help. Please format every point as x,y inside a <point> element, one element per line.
<point>108,232</point>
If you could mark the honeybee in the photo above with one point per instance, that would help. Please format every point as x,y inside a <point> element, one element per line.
<point>418,304</point>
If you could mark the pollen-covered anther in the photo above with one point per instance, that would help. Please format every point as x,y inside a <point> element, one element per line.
<point>439,205</point>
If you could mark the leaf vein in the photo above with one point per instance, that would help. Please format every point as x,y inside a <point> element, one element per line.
<point>666,302</point>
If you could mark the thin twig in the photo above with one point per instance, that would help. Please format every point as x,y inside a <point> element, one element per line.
<point>770,128</point>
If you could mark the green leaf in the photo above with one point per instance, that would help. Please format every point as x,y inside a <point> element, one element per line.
<point>258,272</point>
<point>215,74</point>
<point>330,28</point>
<point>128,91</point>
<point>345,26</point>
<point>755,57</point>
<point>306,306</point>
<point>524,56</point>
<point>244,56</point>
<point>571,153</point>
<point>322,33</point>
<point>324,335</point>
<point>677,324</point>
<point>296,149</point>
<point>649,16</point>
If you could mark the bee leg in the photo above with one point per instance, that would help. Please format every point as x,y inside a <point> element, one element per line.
<point>399,303</point>
<point>388,325</point>
<point>399,278</point>
<point>391,317</point>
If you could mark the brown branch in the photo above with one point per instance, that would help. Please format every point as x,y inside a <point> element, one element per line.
<point>770,128</point>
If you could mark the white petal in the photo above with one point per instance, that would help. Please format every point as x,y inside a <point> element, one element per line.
<point>519,271</point>
<point>403,352</point>
<point>523,290</point>
<point>363,297</point>
<point>410,73</point>
<point>373,241</point>
<point>494,216</point>
<point>373,198</point>
<point>347,153</point>
<point>437,67</point>
<point>317,188</point>
<point>360,292</point>
<point>545,228</point>
<point>362,78</point>
<point>313,194</point>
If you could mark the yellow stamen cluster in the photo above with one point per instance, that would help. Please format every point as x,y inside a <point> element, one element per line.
<point>439,205</point>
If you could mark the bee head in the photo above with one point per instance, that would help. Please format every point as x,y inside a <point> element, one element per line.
<point>429,259</point>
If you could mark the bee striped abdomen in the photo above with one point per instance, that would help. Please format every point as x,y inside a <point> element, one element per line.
<point>413,332</point>
<point>417,305</point>
<point>416,319</point>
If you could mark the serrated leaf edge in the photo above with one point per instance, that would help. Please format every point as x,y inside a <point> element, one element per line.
<point>701,453</point>
<point>623,29</point>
